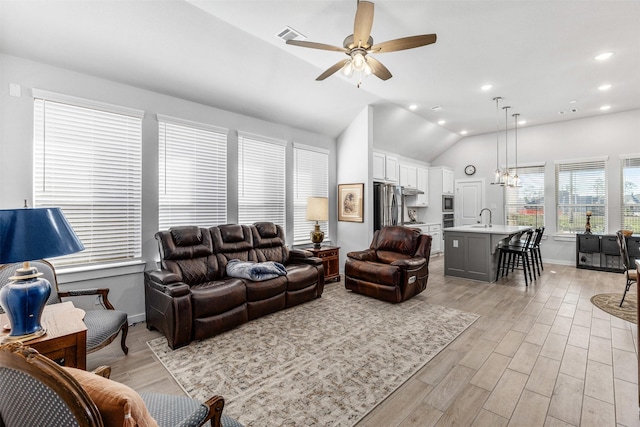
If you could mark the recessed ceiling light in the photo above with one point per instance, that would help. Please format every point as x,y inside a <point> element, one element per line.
<point>436,108</point>
<point>463,132</point>
<point>441,122</point>
<point>486,87</point>
<point>412,107</point>
<point>573,101</point>
<point>603,56</point>
<point>522,122</point>
<point>604,87</point>
<point>605,107</point>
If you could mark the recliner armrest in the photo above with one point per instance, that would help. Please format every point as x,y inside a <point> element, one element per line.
<point>166,282</point>
<point>366,255</point>
<point>303,257</point>
<point>411,263</point>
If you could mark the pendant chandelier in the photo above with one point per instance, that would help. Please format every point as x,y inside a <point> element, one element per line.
<point>506,176</point>
<point>516,179</point>
<point>498,173</point>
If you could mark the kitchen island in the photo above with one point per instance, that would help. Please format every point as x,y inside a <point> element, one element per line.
<point>471,251</point>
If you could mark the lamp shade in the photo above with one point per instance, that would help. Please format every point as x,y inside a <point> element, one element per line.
<point>34,233</point>
<point>317,209</point>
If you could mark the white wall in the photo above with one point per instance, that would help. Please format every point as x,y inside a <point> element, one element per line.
<point>16,136</point>
<point>609,135</point>
<point>355,165</point>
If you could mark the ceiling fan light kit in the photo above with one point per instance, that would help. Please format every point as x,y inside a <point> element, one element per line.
<point>359,45</point>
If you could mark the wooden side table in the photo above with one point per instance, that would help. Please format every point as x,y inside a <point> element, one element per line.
<point>330,261</point>
<point>66,336</point>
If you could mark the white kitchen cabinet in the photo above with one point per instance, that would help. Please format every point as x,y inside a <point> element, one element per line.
<point>447,181</point>
<point>408,177</point>
<point>436,238</point>
<point>379,160</point>
<point>385,167</point>
<point>422,178</point>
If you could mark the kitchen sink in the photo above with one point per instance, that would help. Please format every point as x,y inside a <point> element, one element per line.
<point>480,226</point>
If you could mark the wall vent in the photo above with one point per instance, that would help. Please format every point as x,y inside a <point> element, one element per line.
<point>290,34</point>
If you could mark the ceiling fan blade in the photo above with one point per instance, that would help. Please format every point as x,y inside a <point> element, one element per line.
<point>335,67</point>
<point>378,69</point>
<point>314,45</point>
<point>403,43</point>
<point>363,23</point>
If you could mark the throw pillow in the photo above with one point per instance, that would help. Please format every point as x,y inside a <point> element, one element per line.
<point>118,404</point>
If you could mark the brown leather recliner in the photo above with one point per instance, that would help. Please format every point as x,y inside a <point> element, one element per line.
<point>394,268</point>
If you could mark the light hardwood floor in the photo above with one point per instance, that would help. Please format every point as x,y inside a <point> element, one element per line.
<point>541,355</point>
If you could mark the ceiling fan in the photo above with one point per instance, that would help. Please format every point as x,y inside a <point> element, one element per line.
<point>359,44</point>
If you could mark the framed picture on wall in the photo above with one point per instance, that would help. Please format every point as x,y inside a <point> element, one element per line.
<point>351,202</point>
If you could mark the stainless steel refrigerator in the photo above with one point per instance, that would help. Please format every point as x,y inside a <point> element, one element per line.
<point>387,205</point>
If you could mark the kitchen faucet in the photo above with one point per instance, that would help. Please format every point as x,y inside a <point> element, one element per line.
<point>490,215</point>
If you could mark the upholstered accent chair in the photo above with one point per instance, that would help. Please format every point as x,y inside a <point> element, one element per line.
<point>394,268</point>
<point>44,393</point>
<point>103,326</point>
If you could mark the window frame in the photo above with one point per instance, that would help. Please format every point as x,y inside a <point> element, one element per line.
<point>577,211</point>
<point>314,185</point>
<point>629,162</point>
<point>252,190</point>
<point>70,137</point>
<point>523,171</point>
<point>194,193</point>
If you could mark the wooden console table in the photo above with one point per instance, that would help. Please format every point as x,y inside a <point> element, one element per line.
<point>330,261</point>
<point>66,334</point>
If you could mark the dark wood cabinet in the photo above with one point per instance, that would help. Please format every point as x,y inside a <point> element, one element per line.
<point>330,261</point>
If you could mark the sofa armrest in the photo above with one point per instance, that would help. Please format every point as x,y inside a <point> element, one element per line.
<point>167,283</point>
<point>301,256</point>
<point>411,263</point>
<point>366,255</point>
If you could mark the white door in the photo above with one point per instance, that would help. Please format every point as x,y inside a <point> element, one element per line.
<point>468,201</point>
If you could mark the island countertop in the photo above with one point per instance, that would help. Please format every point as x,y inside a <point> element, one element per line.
<point>494,229</point>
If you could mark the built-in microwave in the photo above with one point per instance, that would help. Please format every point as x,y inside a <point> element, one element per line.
<point>447,203</point>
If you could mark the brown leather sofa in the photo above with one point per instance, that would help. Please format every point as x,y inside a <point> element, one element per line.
<point>192,298</point>
<point>394,268</point>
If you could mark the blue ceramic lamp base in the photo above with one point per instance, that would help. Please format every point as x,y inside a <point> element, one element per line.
<point>23,300</point>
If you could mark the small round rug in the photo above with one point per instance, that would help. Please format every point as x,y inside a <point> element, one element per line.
<point>611,304</point>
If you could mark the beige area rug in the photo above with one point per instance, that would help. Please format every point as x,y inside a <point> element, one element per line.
<point>611,304</point>
<point>327,362</point>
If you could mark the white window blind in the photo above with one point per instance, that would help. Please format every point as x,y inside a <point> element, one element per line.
<point>581,187</point>
<point>261,180</point>
<point>87,161</point>
<point>310,179</point>
<point>524,205</point>
<point>630,203</point>
<point>192,174</point>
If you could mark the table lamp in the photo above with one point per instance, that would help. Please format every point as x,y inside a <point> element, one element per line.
<point>26,235</point>
<point>317,210</point>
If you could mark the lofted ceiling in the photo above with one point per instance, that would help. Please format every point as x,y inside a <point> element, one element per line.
<point>537,54</point>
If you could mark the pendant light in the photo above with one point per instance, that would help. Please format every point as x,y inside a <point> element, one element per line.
<point>497,174</point>
<point>516,178</point>
<point>506,177</point>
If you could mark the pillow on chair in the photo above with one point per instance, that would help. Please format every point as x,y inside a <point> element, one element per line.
<point>119,405</point>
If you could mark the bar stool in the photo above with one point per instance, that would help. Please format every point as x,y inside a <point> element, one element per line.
<point>511,255</point>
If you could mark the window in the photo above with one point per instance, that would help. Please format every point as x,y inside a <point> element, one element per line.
<point>261,180</point>
<point>524,205</point>
<point>310,179</point>
<point>87,161</point>
<point>581,187</point>
<point>630,203</point>
<point>192,174</point>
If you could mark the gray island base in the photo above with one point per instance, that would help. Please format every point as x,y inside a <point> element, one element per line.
<point>471,251</point>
